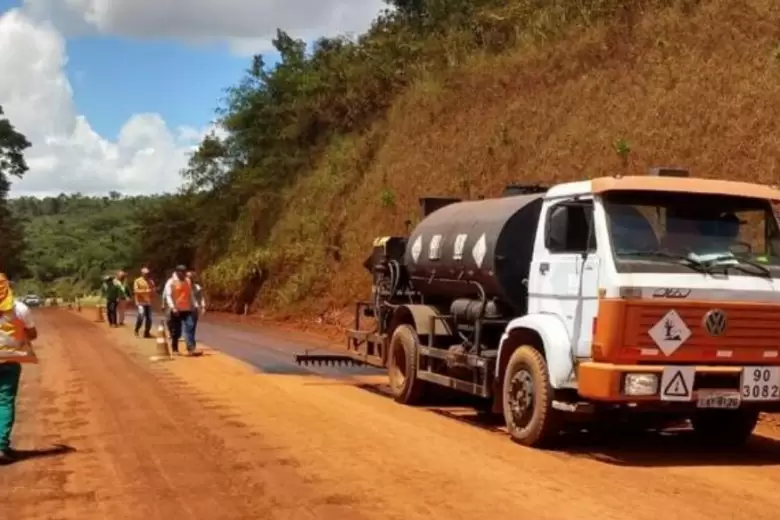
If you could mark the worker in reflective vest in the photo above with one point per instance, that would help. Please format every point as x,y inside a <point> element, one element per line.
<point>143,292</point>
<point>17,330</point>
<point>180,300</point>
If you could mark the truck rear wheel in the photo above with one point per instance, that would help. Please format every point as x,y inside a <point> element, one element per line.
<point>527,399</point>
<point>402,366</point>
<point>725,427</point>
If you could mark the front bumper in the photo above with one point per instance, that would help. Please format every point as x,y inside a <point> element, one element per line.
<point>607,382</point>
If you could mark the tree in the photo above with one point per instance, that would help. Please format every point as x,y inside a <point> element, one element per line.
<point>12,164</point>
<point>12,147</point>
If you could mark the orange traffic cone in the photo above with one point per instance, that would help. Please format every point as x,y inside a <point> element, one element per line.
<point>162,351</point>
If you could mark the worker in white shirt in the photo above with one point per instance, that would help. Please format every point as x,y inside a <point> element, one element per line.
<point>180,300</point>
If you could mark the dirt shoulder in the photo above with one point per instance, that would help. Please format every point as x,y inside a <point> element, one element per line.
<point>137,442</point>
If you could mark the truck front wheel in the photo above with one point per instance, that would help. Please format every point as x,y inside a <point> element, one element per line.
<point>724,427</point>
<point>527,399</point>
<point>406,388</point>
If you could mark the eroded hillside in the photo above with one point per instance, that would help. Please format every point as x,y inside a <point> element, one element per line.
<point>695,84</point>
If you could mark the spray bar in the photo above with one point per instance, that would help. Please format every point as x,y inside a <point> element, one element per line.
<point>327,360</point>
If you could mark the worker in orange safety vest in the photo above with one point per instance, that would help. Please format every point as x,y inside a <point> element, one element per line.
<point>17,330</point>
<point>179,299</point>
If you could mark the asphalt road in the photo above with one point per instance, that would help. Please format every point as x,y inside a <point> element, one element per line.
<point>271,352</point>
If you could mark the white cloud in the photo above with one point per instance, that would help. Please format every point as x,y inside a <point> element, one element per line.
<point>67,154</point>
<point>247,25</point>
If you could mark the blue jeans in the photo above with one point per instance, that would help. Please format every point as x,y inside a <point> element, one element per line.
<point>10,374</point>
<point>144,315</point>
<point>182,322</point>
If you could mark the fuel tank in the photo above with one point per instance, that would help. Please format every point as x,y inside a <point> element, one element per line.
<point>487,241</point>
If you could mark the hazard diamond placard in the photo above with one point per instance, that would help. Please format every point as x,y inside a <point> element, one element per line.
<point>677,383</point>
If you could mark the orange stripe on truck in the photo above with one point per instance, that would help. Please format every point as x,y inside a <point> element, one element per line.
<point>752,334</point>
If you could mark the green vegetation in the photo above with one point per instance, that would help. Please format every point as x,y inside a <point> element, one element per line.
<point>334,145</point>
<point>72,241</point>
<point>12,164</point>
<point>305,134</point>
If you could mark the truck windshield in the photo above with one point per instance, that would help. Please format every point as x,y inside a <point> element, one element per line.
<point>677,232</point>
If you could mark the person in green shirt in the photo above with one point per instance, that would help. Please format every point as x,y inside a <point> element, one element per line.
<point>112,292</point>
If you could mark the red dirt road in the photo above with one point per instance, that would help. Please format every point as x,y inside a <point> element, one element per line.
<point>211,438</point>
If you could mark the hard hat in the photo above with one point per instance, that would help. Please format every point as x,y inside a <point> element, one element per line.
<point>6,294</point>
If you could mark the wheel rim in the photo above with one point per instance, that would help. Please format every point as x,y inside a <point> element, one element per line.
<point>521,398</point>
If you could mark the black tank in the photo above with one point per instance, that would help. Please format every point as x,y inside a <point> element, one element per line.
<point>487,241</point>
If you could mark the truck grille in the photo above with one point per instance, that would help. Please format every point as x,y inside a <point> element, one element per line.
<point>752,327</point>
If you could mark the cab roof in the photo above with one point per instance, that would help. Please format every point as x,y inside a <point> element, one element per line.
<point>670,184</point>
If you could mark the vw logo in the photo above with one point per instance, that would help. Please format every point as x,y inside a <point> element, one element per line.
<point>715,322</point>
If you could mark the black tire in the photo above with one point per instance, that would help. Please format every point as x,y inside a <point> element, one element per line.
<point>727,428</point>
<point>402,366</point>
<point>530,419</point>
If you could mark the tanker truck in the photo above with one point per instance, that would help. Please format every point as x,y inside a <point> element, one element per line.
<point>641,299</point>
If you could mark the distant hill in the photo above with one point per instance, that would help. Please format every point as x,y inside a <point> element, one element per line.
<point>71,241</point>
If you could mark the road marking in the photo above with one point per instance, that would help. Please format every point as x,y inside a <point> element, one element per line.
<point>670,333</point>
<point>677,383</point>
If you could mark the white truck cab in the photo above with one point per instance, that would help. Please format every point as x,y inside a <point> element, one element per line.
<point>659,293</point>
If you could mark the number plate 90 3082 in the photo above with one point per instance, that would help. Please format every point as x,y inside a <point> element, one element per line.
<point>760,384</point>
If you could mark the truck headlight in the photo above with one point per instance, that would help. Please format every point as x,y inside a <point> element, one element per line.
<point>640,384</point>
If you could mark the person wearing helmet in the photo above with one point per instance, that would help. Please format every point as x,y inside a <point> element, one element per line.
<point>111,294</point>
<point>143,294</point>
<point>180,300</point>
<point>17,330</point>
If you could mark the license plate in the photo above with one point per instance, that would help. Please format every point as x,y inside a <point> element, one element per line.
<point>760,384</point>
<point>724,400</point>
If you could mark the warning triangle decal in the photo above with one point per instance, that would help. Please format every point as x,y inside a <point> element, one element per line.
<point>677,386</point>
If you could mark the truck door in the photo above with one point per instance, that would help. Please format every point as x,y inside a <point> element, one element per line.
<point>564,273</point>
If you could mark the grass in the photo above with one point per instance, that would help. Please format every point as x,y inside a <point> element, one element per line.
<point>692,86</point>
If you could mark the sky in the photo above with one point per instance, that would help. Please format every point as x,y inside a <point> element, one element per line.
<point>115,94</point>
